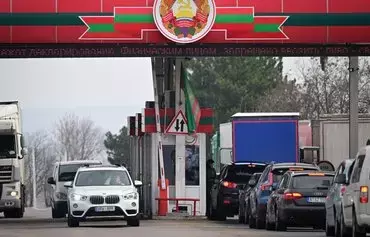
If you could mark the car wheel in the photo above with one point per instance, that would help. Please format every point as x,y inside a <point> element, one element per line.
<point>72,222</point>
<point>133,222</point>
<point>260,222</point>
<point>343,229</point>
<point>279,225</point>
<point>356,231</point>
<point>329,230</point>
<point>268,225</point>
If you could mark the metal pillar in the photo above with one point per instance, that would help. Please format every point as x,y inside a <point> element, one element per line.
<point>180,139</point>
<point>353,106</point>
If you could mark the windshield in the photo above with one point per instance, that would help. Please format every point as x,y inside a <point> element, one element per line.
<point>278,173</point>
<point>311,182</point>
<point>242,173</point>
<point>7,146</point>
<point>103,178</point>
<point>68,172</point>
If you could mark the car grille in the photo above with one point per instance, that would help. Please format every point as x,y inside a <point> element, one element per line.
<point>112,199</point>
<point>97,199</point>
<point>5,173</point>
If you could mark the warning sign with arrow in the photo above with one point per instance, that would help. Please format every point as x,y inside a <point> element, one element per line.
<point>178,124</point>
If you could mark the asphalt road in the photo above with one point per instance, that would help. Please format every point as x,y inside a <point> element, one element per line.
<point>39,224</point>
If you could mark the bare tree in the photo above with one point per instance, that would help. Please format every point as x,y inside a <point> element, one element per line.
<point>327,91</point>
<point>42,148</point>
<point>285,97</point>
<point>80,138</point>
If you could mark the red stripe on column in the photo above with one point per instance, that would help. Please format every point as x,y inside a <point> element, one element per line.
<point>353,34</point>
<point>234,27</point>
<point>345,6</point>
<point>133,10</point>
<point>71,34</point>
<point>33,34</point>
<point>311,6</point>
<point>263,6</point>
<point>69,6</point>
<point>226,3</point>
<point>34,6</point>
<point>4,34</point>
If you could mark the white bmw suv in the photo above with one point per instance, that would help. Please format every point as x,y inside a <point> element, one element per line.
<point>103,192</point>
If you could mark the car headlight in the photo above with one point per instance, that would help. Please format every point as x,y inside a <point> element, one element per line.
<point>78,197</point>
<point>61,196</point>
<point>130,196</point>
<point>12,193</point>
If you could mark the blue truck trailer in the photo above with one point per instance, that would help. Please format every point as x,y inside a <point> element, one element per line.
<point>265,137</point>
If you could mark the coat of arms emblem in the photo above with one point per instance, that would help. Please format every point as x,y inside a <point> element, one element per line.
<point>184,21</point>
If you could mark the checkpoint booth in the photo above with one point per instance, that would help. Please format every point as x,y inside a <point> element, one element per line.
<point>186,176</point>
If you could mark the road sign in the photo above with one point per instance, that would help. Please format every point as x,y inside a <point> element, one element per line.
<point>178,124</point>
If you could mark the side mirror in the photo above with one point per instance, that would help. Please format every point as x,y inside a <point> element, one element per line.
<point>340,179</point>
<point>68,184</point>
<point>24,151</point>
<point>138,183</point>
<point>51,180</point>
<point>252,183</point>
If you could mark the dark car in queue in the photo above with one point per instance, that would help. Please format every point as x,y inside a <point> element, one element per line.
<point>244,198</point>
<point>261,192</point>
<point>299,200</point>
<point>225,191</point>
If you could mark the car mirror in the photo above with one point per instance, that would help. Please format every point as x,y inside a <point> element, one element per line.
<point>138,183</point>
<point>24,151</point>
<point>51,180</point>
<point>252,183</point>
<point>341,179</point>
<point>68,184</point>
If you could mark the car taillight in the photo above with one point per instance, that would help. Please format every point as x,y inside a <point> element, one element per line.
<point>342,191</point>
<point>292,196</point>
<point>364,194</point>
<point>229,184</point>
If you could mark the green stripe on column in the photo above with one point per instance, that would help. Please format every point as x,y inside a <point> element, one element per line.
<point>101,28</point>
<point>266,28</point>
<point>234,18</point>
<point>129,18</point>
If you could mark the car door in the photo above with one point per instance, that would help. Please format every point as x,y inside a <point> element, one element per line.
<point>272,202</point>
<point>334,189</point>
<point>216,187</point>
<point>53,186</point>
<point>352,192</point>
<point>255,190</point>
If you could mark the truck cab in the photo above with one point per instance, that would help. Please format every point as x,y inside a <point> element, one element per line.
<point>12,153</point>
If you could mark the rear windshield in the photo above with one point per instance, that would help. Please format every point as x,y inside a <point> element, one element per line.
<point>278,173</point>
<point>311,182</point>
<point>68,172</point>
<point>242,173</point>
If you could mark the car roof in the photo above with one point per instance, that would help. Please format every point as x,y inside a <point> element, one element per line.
<point>291,164</point>
<point>248,163</point>
<point>102,167</point>
<point>76,162</point>
<point>306,172</point>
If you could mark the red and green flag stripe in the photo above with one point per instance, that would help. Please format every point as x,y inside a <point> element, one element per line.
<point>131,22</point>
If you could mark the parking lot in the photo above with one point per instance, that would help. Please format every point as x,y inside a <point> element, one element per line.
<point>38,223</point>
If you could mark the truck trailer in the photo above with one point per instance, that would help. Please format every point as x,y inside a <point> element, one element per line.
<point>12,153</point>
<point>331,134</point>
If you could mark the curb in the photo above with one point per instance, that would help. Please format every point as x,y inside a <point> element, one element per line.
<point>31,221</point>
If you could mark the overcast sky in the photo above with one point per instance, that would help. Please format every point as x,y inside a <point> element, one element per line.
<point>106,90</point>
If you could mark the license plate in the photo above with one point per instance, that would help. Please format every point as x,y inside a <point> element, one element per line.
<point>316,199</point>
<point>104,209</point>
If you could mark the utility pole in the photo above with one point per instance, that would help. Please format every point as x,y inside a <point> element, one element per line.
<point>353,106</point>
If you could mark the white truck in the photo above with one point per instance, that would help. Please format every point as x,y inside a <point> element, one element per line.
<point>12,153</point>
<point>331,134</point>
